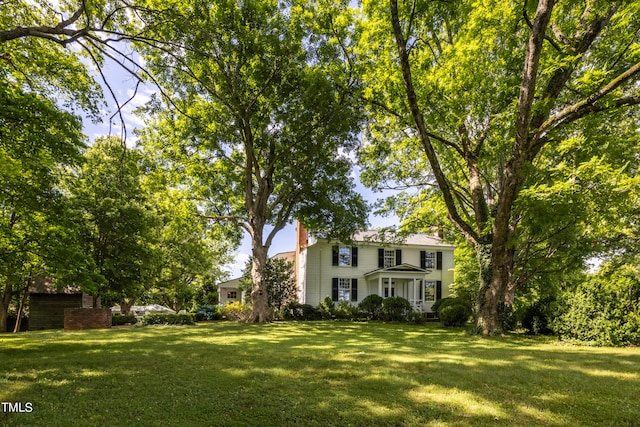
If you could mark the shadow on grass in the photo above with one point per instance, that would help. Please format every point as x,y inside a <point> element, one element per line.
<point>315,373</point>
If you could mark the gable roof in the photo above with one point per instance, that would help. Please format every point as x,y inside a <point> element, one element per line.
<point>386,237</point>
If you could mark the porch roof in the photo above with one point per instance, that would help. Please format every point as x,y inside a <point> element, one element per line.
<point>401,270</point>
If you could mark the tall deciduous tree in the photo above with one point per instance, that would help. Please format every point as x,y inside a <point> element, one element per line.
<point>498,106</point>
<point>119,223</point>
<point>267,116</point>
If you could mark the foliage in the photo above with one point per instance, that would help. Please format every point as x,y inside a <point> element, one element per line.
<point>119,225</point>
<point>346,311</point>
<point>395,309</point>
<point>454,315</point>
<point>537,318</point>
<point>121,319</point>
<point>371,305</point>
<point>168,319</point>
<point>38,235</point>
<point>236,310</point>
<point>417,318</point>
<point>326,308</point>
<point>444,302</point>
<point>297,311</point>
<point>208,312</point>
<point>604,309</point>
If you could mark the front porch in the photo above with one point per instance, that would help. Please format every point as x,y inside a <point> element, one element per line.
<point>406,281</point>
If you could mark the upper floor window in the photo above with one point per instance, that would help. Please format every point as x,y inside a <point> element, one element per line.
<point>389,258</point>
<point>345,256</point>
<point>429,260</point>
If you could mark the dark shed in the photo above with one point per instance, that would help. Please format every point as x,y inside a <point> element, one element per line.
<point>47,304</point>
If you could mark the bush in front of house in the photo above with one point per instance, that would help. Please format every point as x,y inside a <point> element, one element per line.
<point>208,312</point>
<point>444,302</point>
<point>395,309</point>
<point>371,306</point>
<point>346,311</point>
<point>236,311</point>
<point>326,308</point>
<point>297,311</point>
<point>453,315</point>
<point>123,319</point>
<point>168,319</point>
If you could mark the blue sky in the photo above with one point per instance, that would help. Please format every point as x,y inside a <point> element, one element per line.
<point>123,85</point>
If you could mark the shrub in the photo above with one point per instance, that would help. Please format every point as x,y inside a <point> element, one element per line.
<point>168,319</point>
<point>371,305</point>
<point>326,308</point>
<point>417,318</point>
<point>236,311</point>
<point>346,311</point>
<point>395,309</point>
<point>297,311</point>
<point>453,314</point>
<point>444,302</point>
<point>538,317</point>
<point>603,310</point>
<point>208,312</point>
<point>123,319</point>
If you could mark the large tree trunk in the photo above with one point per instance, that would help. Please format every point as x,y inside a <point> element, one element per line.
<point>4,306</point>
<point>125,306</point>
<point>260,308</point>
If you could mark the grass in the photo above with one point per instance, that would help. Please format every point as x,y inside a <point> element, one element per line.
<point>313,374</point>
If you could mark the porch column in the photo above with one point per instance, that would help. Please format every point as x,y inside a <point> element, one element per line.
<point>380,285</point>
<point>415,292</point>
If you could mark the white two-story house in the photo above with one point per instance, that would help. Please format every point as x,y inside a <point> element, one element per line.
<point>418,268</point>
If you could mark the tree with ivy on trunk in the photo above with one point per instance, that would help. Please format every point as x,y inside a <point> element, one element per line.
<point>262,116</point>
<point>486,101</point>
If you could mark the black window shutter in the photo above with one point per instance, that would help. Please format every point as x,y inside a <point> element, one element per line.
<point>334,253</point>
<point>354,289</point>
<point>438,260</point>
<point>421,288</point>
<point>334,289</point>
<point>438,290</point>
<point>423,260</point>
<point>380,258</point>
<point>398,256</point>
<point>354,256</point>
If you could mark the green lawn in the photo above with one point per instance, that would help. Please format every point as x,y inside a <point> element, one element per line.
<point>313,374</point>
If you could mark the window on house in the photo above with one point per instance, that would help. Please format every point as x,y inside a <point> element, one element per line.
<point>344,289</point>
<point>344,256</point>
<point>232,295</point>
<point>389,258</point>
<point>429,260</point>
<point>429,291</point>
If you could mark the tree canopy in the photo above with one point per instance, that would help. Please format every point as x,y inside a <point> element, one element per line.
<point>511,116</point>
<point>262,117</point>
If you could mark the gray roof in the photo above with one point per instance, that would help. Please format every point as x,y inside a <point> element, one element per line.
<point>386,237</point>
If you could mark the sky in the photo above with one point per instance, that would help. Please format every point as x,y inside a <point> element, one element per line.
<point>123,86</point>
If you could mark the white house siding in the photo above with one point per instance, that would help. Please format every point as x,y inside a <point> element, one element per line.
<point>316,280</point>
